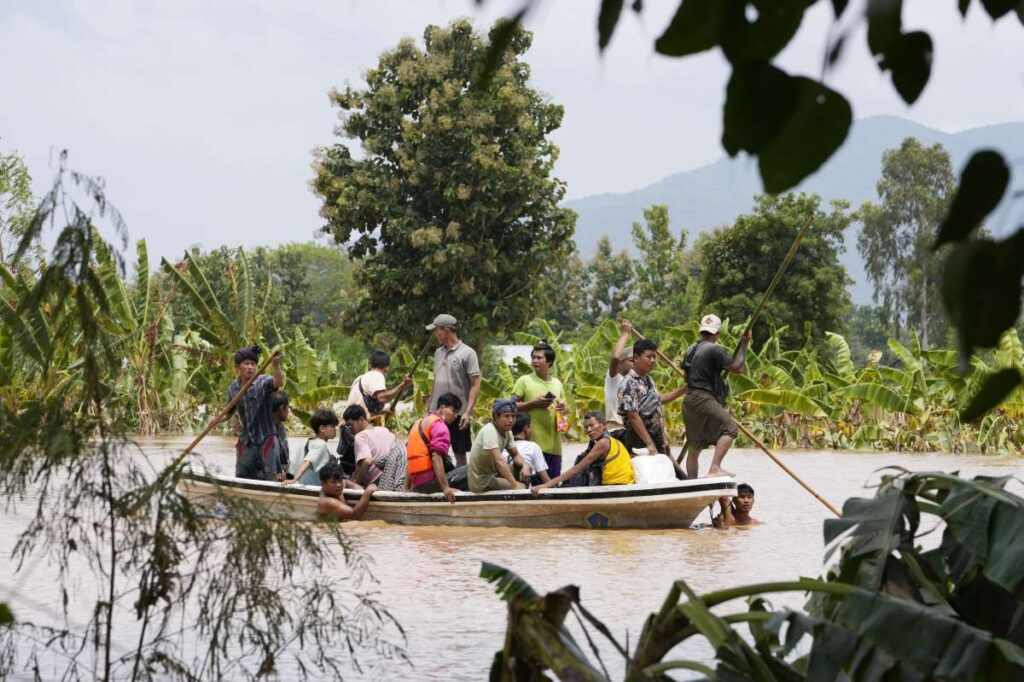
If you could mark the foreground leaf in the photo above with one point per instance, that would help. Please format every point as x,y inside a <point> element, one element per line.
<point>995,389</point>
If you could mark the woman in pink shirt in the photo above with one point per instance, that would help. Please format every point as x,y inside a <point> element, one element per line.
<point>380,459</point>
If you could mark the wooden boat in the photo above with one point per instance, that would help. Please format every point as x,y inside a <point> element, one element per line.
<point>672,504</point>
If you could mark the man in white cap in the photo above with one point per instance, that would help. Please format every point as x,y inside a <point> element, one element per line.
<point>704,414</point>
<point>456,370</point>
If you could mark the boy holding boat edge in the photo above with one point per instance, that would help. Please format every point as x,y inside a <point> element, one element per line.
<point>332,500</point>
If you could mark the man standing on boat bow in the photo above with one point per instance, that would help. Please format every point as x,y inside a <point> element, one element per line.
<point>256,450</point>
<point>704,415</point>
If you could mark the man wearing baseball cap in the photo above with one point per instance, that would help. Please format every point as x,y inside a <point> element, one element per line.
<point>488,469</point>
<point>704,414</point>
<point>456,370</point>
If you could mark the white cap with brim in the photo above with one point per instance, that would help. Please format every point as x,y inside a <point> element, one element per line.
<point>710,324</point>
<point>443,320</point>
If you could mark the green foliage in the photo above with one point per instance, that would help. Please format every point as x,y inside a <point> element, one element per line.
<point>78,350</point>
<point>896,238</point>
<point>794,124</point>
<point>738,264</point>
<point>890,608</point>
<point>452,202</point>
<point>16,203</point>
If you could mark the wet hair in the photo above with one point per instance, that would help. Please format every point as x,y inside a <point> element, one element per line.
<point>643,345</point>
<point>353,413</point>
<point>278,399</point>
<point>544,347</point>
<point>596,416</point>
<point>449,400</point>
<point>322,417</point>
<point>379,360</point>
<point>744,488</point>
<point>521,423</point>
<point>332,471</point>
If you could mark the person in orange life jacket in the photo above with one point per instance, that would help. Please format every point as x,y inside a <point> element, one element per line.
<point>427,449</point>
<point>331,502</point>
<point>256,449</point>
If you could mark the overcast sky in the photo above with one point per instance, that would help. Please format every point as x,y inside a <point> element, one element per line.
<point>202,114</point>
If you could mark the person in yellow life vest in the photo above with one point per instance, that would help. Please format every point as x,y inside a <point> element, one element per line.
<point>426,453</point>
<point>606,460</point>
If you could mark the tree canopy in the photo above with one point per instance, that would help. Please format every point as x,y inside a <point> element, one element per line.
<point>896,240</point>
<point>451,205</point>
<point>793,124</point>
<point>740,261</point>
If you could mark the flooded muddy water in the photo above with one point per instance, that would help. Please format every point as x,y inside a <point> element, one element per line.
<point>429,576</point>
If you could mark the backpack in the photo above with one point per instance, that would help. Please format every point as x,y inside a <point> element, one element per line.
<point>373,406</point>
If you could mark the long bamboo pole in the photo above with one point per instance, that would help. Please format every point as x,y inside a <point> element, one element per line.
<point>415,366</point>
<point>224,412</point>
<point>753,438</point>
<point>778,273</point>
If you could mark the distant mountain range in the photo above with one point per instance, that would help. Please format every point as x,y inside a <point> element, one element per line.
<point>713,195</point>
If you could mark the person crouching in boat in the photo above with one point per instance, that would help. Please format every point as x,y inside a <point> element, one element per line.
<point>380,458</point>
<point>488,469</point>
<point>736,510</point>
<point>256,449</point>
<point>427,462</point>
<point>332,503</point>
<point>606,461</point>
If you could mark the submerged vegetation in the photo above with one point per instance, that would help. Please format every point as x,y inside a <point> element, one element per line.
<point>896,605</point>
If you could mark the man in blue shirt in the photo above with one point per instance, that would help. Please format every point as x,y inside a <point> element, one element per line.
<point>256,449</point>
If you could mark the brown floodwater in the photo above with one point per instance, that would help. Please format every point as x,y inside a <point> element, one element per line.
<point>428,577</point>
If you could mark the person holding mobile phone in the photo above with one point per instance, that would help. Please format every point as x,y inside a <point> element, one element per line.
<point>539,394</point>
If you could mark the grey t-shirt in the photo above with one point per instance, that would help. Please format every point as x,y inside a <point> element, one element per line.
<point>703,363</point>
<point>452,370</point>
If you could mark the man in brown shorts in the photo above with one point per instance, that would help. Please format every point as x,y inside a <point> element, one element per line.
<point>704,414</point>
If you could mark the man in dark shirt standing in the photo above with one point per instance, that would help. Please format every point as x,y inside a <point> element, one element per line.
<point>704,414</point>
<point>256,449</point>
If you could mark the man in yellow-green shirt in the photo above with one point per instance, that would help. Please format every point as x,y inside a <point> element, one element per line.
<point>539,394</point>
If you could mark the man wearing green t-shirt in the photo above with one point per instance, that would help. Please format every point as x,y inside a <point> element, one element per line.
<point>488,469</point>
<point>534,394</point>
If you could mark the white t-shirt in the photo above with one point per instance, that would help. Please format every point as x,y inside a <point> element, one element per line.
<point>373,381</point>
<point>611,400</point>
<point>532,453</point>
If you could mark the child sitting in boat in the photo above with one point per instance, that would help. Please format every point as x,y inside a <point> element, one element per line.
<point>606,461</point>
<point>317,455</point>
<point>332,502</point>
<point>531,452</point>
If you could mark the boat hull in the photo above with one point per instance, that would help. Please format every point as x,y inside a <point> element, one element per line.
<point>656,505</point>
